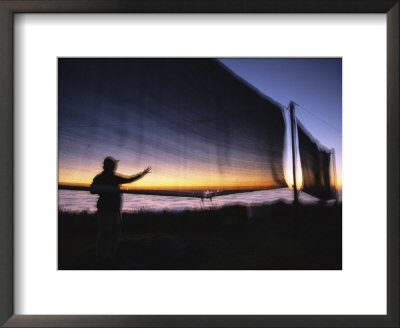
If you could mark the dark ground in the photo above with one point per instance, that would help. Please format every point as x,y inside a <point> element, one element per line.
<point>281,237</point>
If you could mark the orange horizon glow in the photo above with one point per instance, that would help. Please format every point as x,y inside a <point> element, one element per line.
<point>174,184</point>
<point>195,180</point>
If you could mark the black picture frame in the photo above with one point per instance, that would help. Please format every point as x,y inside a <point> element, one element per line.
<point>10,7</point>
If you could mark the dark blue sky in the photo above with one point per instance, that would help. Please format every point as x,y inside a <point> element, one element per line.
<point>313,83</point>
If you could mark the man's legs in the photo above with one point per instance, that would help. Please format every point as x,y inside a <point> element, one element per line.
<point>109,233</point>
<point>116,231</point>
<point>104,234</point>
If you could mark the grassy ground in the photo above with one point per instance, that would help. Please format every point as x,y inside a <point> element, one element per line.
<point>280,237</point>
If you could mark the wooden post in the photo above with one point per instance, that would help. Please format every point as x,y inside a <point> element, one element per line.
<point>334,172</point>
<point>293,127</point>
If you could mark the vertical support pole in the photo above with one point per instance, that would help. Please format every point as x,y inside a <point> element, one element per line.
<point>293,127</point>
<point>334,172</point>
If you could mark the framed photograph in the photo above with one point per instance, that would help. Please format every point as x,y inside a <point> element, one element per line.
<point>201,164</point>
<point>216,195</point>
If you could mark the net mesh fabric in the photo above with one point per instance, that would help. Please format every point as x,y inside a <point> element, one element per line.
<point>315,165</point>
<point>196,123</point>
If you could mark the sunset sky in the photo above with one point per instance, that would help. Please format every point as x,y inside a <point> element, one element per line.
<point>96,120</point>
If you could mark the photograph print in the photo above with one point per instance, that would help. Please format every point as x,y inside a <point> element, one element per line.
<point>199,164</point>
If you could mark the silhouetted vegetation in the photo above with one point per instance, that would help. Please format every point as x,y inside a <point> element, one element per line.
<point>279,236</point>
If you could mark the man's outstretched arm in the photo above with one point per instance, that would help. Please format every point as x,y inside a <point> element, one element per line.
<point>138,176</point>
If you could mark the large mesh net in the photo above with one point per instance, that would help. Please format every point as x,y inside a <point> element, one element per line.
<point>193,121</point>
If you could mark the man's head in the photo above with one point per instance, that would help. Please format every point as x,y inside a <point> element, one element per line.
<point>110,164</point>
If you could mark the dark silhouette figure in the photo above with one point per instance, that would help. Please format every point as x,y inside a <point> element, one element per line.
<point>106,185</point>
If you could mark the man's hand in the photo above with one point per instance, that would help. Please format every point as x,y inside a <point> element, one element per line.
<point>146,170</point>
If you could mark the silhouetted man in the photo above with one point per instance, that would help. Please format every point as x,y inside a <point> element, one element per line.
<point>106,185</point>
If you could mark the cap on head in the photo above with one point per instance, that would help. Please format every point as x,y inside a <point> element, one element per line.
<point>110,160</point>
